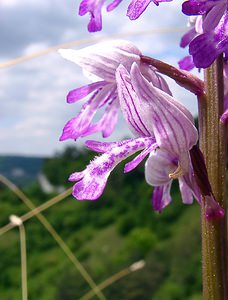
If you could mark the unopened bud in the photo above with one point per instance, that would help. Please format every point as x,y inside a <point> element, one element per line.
<point>213,210</point>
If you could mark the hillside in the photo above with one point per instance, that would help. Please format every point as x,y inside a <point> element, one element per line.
<point>106,235</point>
<point>21,170</point>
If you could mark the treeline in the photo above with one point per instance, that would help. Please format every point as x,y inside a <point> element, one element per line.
<point>106,235</point>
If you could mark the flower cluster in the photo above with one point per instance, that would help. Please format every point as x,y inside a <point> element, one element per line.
<point>163,128</point>
<point>94,8</point>
<point>208,36</point>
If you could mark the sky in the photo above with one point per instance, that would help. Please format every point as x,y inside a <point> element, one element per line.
<point>33,109</point>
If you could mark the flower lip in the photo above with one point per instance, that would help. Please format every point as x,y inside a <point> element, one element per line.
<point>91,181</point>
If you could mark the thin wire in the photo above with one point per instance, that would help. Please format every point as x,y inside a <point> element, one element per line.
<point>24,58</point>
<point>107,282</point>
<point>23,262</point>
<point>5,228</point>
<point>36,212</point>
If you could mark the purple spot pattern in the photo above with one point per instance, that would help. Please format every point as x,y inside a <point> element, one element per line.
<point>91,182</point>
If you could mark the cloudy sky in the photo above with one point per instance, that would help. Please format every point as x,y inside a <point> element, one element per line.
<point>33,109</point>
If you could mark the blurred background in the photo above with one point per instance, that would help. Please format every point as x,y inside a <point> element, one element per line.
<point>106,236</point>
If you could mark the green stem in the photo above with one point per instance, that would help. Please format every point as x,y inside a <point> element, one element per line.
<point>213,146</point>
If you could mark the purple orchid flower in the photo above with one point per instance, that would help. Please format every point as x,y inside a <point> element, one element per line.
<point>212,10</point>
<point>100,61</point>
<point>158,168</point>
<point>157,120</point>
<point>195,25</point>
<point>206,46</point>
<point>94,8</point>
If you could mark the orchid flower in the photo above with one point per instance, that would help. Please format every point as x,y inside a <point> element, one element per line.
<point>195,25</point>
<point>100,61</point>
<point>157,120</point>
<point>206,46</point>
<point>158,167</point>
<point>94,8</point>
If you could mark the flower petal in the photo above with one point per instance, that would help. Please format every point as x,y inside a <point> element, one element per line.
<point>137,160</point>
<point>83,91</point>
<point>113,5</point>
<point>204,50</point>
<point>196,7</point>
<point>136,8</point>
<point>103,146</point>
<point>108,121</point>
<point>131,104</point>
<point>93,7</point>
<point>102,59</point>
<point>172,123</point>
<point>186,63</point>
<point>187,37</point>
<point>161,197</point>
<point>213,17</point>
<point>186,192</point>
<point>93,179</point>
<point>206,47</point>
<point>149,72</point>
<point>78,126</point>
<point>158,167</point>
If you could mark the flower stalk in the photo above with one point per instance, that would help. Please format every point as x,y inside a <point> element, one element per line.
<point>213,146</point>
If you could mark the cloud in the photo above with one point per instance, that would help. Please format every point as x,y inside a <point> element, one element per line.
<point>32,95</point>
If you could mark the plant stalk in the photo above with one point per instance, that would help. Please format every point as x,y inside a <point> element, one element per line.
<point>213,146</point>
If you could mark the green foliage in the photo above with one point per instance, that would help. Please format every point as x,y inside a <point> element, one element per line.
<point>106,235</point>
<point>139,242</point>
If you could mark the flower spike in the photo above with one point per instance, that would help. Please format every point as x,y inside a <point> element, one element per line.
<point>208,37</point>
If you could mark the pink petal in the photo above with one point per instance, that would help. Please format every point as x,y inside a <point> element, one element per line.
<point>113,5</point>
<point>81,92</point>
<point>93,179</point>
<point>172,123</point>
<point>161,197</point>
<point>79,125</point>
<point>137,160</point>
<point>136,8</point>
